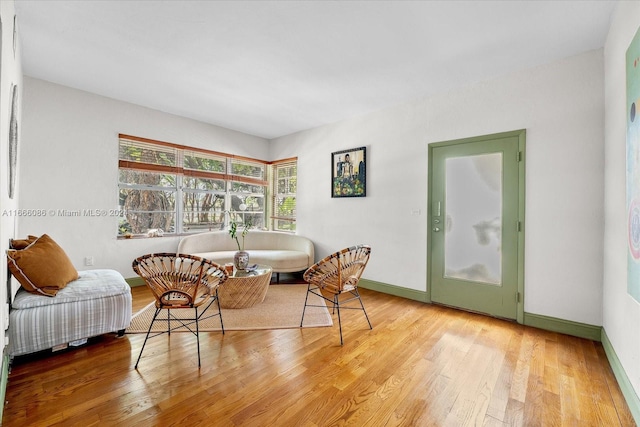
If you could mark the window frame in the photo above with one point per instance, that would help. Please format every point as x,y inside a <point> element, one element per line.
<point>181,172</point>
<point>276,217</point>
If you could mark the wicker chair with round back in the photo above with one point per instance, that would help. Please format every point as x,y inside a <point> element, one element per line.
<point>180,282</point>
<point>336,275</point>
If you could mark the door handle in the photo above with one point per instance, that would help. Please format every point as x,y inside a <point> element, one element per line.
<point>436,209</point>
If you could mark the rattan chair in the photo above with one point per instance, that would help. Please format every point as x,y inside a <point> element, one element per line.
<point>180,282</point>
<point>336,275</point>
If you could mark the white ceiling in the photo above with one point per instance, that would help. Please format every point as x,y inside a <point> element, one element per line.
<point>271,68</point>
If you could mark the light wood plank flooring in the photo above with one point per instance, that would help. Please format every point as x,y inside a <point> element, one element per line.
<point>421,365</point>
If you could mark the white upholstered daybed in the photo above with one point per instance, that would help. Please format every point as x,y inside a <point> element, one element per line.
<point>98,302</point>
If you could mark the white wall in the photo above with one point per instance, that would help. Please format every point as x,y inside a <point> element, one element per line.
<point>10,73</point>
<point>621,311</point>
<point>561,107</point>
<point>69,160</point>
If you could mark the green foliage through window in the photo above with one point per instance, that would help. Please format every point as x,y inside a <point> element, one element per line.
<point>181,189</point>
<point>284,196</point>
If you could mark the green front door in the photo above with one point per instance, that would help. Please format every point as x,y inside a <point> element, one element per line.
<point>476,223</point>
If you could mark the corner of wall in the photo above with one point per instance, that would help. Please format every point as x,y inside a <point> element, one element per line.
<point>621,376</point>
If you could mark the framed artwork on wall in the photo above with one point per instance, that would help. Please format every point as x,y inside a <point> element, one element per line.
<point>13,140</point>
<point>633,167</point>
<point>348,173</point>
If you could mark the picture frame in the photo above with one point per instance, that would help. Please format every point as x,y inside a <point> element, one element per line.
<point>13,141</point>
<point>633,166</point>
<point>349,173</point>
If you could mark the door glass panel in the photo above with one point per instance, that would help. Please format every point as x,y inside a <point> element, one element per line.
<point>473,228</point>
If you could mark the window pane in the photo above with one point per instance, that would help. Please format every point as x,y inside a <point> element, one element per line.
<point>257,219</point>
<point>128,176</point>
<point>286,178</point>
<point>204,162</point>
<point>248,207</point>
<point>241,187</point>
<point>242,217</point>
<point>141,152</point>
<point>287,185</point>
<point>241,202</point>
<point>284,225</point>
<point>287,170</point>
<point>473,232</point>
<point>248,169</point>
<point>285,206</point>
<point>203,211</point>
<point>284,196</point>
<point>204,184</point>
<point>147,209</point>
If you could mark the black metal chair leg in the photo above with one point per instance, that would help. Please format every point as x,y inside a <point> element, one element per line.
<point>219,312</point>
<point>365,311</point>
<point>147,337</point>
<point>197,335</point>
<point>306,298</point>
<point>336,305</point>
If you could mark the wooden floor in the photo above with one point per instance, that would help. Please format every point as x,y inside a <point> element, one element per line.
<point>421,365</point>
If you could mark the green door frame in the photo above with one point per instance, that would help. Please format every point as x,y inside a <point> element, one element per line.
<point>521,135</point>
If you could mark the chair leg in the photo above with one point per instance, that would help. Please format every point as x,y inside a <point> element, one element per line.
<point>306,298</point>
<point>365,311</point>
<point>147,337</point>
<point>197,336</point>
<point>336,305</point>
<point>219,312</point>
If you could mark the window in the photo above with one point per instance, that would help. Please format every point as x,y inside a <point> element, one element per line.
<point>183,190</point>
<point>285,184</point>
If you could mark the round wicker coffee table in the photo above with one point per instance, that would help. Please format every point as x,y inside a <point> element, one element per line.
<point>245,289</point>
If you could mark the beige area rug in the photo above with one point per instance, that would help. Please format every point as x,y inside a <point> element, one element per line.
<point>281,309</point>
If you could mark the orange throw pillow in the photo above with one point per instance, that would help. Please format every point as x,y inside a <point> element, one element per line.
<point>42,267</point>
<point>22,243</point>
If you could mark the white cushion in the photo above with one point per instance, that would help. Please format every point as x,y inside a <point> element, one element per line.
<point>90,285</point>
<point>284,252</point>
<point>279,260</point>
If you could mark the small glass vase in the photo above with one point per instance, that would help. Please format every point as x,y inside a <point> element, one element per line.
<point>241,260</point>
